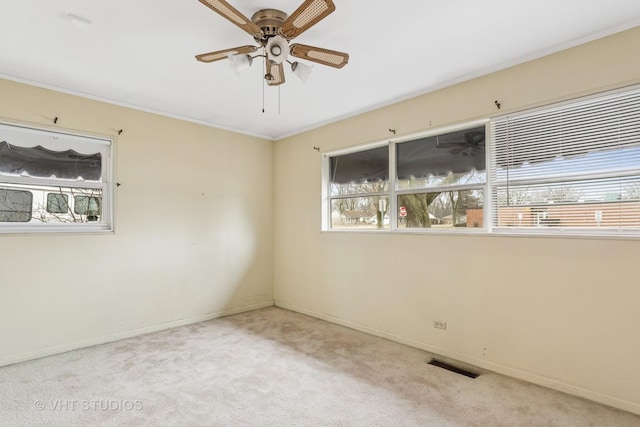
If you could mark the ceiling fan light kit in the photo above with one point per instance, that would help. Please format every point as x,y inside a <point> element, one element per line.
<point>239,62</point>
<point>300,70</point>
<point>277,49</point>
<point>273,30</point>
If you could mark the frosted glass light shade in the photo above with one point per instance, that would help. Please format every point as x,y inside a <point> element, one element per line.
<point>277,49</point>
<point>239,63</point>
<point>301,71</point>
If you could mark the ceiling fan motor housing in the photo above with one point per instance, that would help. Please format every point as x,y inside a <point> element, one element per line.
<point>269,21</point>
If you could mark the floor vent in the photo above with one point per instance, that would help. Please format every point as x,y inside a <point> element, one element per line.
<point>448,367</point>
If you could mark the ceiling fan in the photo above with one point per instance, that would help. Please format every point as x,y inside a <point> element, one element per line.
<point>273,30</point>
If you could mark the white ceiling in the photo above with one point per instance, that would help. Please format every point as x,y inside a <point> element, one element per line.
<point>140,53</point>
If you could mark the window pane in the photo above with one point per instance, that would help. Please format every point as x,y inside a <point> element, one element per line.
<point>362,172</point>
<point>360,213</point>
<point>571,166</point>
<point>443,210</point>
<point>455,158</point>
<point>612,202</point>
<point>38,204</point>
<point>614,161</point>
<point>45,163</point>
<point>583,130</point>
<point>15,205</point>
<point>57,203</point>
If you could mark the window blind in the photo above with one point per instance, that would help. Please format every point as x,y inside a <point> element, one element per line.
<point>572,167</point>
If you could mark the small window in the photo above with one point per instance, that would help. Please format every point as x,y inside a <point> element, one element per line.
<point>87,205</point>
<point>15,205</point>
<point>57,203</point>
<point>54,181</point>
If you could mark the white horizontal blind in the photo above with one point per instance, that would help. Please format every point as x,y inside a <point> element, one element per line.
<point>570,168</point>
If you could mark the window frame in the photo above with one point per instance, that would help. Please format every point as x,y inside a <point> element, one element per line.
<point>393,192</point>
<point>327,197</point>
<point>553,231</point>
<point>105,185</point>
<point>491,186</point>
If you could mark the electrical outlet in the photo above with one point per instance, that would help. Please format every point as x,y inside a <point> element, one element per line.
<point>439,324</point>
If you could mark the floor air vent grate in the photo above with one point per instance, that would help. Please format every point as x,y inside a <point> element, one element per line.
<point>448,367</point>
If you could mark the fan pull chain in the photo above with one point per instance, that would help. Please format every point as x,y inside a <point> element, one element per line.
<point>264,71</point>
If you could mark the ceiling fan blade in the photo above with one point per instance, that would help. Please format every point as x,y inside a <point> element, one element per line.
<point>222,54</point>
<point>328,57</point>
<point>276,71</point>
<point>305,17</point>
<point>232,14</point>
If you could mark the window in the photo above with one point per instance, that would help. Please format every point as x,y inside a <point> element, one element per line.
<point>436,181</point>
<point>441,179</point>
<point>572,168</point>
<point>53,181</point>
<point>359,189</point>
<point>565,169</point>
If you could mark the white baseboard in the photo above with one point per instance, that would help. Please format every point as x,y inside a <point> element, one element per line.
<point>63,348</point>
<point>593,395</point>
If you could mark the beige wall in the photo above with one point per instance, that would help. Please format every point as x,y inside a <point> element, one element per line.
<point>193,240</point>
<point>562,312</point>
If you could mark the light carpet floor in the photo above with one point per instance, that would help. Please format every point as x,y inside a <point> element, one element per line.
<point>273,367</point>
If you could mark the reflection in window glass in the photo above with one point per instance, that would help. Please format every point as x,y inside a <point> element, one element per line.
<point>571,167</point>
<point>360,213</point>
<point>438,181</point>
<point>361,172</point>
<point>455,158</point>
<point>50,205</point>
<point>57,203</point>
<point>15,205</point>
<point>87,205</point>
<point>601,203</point>
<point>51,168</point>
<point>42,162</point>
<point>443,209</point>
